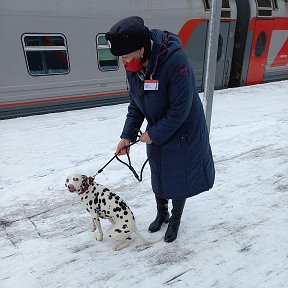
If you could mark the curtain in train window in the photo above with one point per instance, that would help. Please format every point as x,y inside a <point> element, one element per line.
<point>46,54</point>
<point>106,60</point>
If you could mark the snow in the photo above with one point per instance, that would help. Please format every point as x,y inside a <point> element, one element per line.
<point>235,235</point>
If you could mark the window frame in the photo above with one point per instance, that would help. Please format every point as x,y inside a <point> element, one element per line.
<point>45,48</point>
<point>102,46</point>
<point>264,11</point>
<point>225,11</point>
<point>206,5</point>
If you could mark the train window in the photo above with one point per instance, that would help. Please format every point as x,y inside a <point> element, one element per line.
<point>261,43</point>
<point>46,54</point>
<point>264,7</point>
<point>106,60</point>
<point>225,11</point>
<point>264,3</point>
<point>206,4</point>
<point>225,4</point>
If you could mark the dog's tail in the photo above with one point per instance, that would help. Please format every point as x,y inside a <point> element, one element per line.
<point>147,241</point>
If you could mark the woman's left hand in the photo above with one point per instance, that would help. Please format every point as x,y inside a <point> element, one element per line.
<point>145,138</point>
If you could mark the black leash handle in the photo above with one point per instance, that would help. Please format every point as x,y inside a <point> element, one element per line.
<point>139,178</point>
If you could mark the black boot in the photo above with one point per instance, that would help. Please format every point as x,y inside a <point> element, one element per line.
<point>174,221</point>
<point>162,215</point>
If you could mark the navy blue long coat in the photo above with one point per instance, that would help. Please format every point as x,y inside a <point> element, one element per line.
<point>181,159</point>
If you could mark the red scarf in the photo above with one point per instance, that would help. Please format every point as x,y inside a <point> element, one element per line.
<point>134,65</point>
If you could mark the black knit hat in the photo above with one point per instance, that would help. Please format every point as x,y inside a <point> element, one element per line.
<point>128,35</point>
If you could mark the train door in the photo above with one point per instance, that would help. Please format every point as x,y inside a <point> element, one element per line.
<point>259,51</point>
<point>224,56</point>
<point>221,55</point>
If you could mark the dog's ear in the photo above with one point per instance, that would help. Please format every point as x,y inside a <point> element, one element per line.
<point>84,177</point>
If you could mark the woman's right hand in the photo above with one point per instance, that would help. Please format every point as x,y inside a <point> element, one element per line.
<point>122,147</point>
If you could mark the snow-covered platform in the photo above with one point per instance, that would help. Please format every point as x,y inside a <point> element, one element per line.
<point>235,235</point>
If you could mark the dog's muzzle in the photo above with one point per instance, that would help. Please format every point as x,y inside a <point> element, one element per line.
<point>71,188</point>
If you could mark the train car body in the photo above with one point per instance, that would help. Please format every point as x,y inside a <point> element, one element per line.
<point>261,42</point>
<point>54,56</point>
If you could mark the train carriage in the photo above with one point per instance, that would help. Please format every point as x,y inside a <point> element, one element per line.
<point>54,56</point>
<point>261,42</point>
<point>194,39</point>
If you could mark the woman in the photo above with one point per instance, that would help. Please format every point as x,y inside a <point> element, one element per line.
<point>162,90</point>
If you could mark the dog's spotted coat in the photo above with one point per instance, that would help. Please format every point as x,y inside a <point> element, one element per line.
<point>100,202</point>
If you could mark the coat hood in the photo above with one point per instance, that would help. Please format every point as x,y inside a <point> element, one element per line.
<point>165,44</point>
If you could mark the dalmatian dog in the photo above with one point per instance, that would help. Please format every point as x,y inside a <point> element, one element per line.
<point>100,202</point>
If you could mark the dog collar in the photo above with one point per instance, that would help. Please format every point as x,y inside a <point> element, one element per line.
<point>89,181</point>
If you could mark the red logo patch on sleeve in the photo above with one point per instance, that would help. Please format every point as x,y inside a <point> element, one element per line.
<point>183,70</point>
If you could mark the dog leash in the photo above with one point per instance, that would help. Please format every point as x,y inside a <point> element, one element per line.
<point>129,165</point>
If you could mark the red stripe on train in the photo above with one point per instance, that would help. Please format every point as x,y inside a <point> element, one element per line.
<point>40,101</point>
<point>188,28</point>
<point>280,23</point>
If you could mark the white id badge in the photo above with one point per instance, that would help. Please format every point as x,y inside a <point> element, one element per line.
<point>151,85</point>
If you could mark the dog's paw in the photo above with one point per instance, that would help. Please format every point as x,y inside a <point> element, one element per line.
<point>116,248</point>
<point>99,237</point>
<point>122,245</point>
